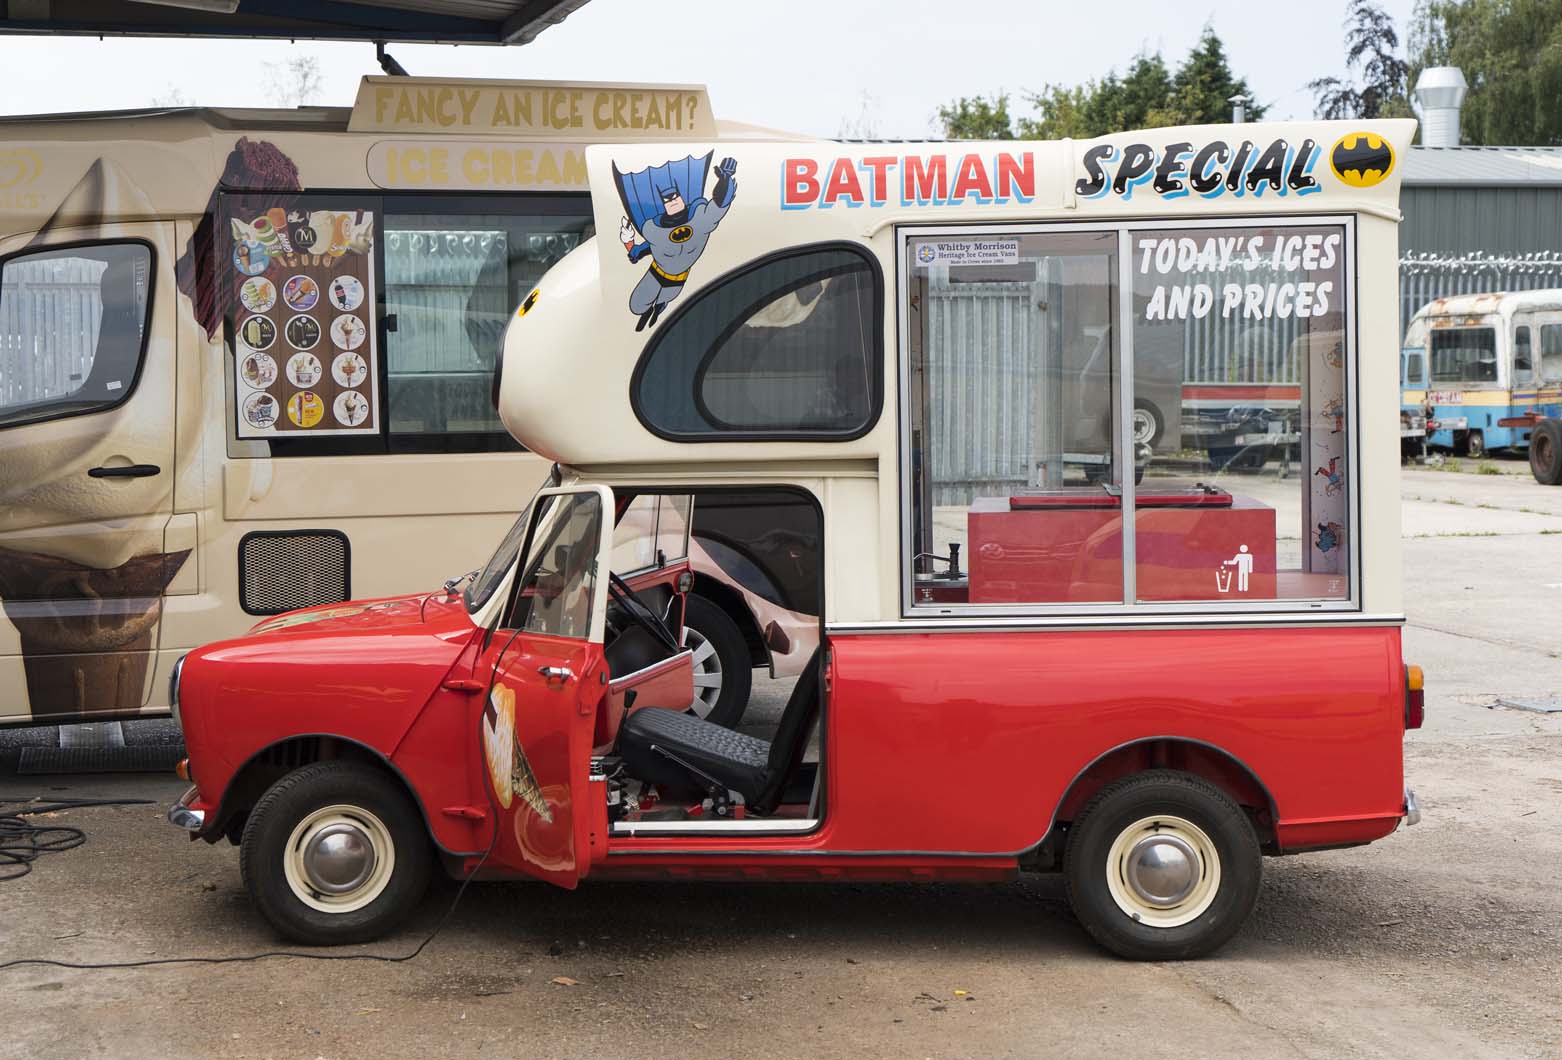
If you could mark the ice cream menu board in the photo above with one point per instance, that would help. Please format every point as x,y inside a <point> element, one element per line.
<point>300,303</point>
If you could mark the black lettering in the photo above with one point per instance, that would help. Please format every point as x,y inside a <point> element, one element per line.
<point>1138,160</point>
<point>1171,168</point>
<point>1269,167</point>
<point>1094,181</point>
<point>1238,164</point>
<point>1299,179</point>
<point>1199,176</point>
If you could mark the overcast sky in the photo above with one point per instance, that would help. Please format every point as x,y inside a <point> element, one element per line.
<point>810,66</point>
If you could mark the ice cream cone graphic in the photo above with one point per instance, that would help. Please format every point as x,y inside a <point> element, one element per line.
<point>86,631</point>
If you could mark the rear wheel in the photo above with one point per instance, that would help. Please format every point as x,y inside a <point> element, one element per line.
<point>334,853</point>
<point>1149,425</point>
<point>723,669</point>
<point>1545,452</point>
<point>1475,445</point>
<point>1162,866</point>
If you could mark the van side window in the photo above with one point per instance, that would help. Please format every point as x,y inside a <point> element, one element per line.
<point>1551,353</point>
<point>787,348</point>
<point>451,282</point>
<point>1523,367</point>
<point>72,329</point>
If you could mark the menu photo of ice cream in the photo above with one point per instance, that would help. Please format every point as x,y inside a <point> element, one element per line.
<point>301,305</point>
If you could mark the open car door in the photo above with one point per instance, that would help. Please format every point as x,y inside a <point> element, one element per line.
<point>550,675</point>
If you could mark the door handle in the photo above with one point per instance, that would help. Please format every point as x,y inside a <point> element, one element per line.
<point>556,676</point>
<point>125,471</point>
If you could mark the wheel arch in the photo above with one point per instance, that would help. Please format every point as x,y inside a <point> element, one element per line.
<point>732,604</point>
<point>1200,758</point>
<point>274,761</point>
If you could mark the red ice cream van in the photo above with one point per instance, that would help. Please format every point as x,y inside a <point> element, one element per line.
<point>1042,644</point>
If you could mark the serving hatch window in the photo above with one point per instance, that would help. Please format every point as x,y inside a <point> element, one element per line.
<point>1035,470</point>
<point>1464,354</point>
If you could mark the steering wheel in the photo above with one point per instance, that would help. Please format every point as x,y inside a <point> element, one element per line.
<point>640,614</point>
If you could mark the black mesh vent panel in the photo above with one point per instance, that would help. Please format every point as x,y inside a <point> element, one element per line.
<point>287,570</point>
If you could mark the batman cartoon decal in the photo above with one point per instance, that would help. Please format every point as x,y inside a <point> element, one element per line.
<point>669,219</point>
<point>1361,159</point>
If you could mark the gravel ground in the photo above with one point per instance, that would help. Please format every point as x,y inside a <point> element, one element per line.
<point>1442,940</point>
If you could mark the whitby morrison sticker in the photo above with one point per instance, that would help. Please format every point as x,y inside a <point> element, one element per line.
<point>1246,168</point>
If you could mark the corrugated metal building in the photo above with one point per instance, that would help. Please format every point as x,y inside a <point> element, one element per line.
<point>1479,219</point>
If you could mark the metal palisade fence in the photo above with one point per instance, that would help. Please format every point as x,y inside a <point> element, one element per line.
<point>1426,277</point>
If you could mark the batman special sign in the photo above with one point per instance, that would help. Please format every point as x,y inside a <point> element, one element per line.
<point>1361,159</point>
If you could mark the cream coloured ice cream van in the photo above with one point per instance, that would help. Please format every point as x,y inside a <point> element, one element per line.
<point>246,359</point>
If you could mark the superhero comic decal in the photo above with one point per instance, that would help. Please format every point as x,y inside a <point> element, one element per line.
<point>668,219</point>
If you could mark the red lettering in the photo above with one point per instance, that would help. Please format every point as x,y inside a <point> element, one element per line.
<point>879,166</point>
<point>843,184</point>
<point>799,183</point>
<point>925,182</point>
<point>972,177</point>
<point>1017,177</point>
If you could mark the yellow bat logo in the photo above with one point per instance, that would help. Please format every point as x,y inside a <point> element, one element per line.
<point>681,234</point>
<point>526,306</point>
<point>1362,159</point>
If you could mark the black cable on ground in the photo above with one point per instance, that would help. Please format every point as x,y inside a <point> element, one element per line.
<point>22,843</point>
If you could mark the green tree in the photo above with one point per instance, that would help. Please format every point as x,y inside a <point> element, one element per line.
<point>1148,95</point>
<point>977,118</point>
<point>1379,75</point>
<point>1511,55</point>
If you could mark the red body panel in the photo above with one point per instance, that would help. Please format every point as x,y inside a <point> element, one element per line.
<point>364,673</point>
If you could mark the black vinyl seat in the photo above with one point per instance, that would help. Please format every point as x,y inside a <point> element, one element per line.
<point>678,750</point>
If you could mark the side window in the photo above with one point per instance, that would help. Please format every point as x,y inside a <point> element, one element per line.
<point>1016,480</point>
<point>451,283</point>
<point>72,329</point>
<point>1464,354</point>
<point>558,576</point>
<point>1551,353</point>
<point>654,530</point>
<point>790,348</point>
<point>1523,366</point>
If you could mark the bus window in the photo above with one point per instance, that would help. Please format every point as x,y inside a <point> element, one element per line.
<point>72,329</point>
<point>1464,355</point>
<point>1415,369</point>
<point>451,281</point>
<point>1551,353</point>
<point>1523,367</point>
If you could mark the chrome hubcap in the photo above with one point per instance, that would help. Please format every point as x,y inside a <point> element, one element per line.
<point>707,672</point>
<point>1161,869</point>
<point>339,858</point>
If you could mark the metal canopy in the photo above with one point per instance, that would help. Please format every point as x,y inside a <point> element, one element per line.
<point>423,21</point>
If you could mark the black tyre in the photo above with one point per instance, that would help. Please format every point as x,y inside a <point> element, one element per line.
<point>1474,445</point>
<point>1545,452</point>
<point>723,668</point>
<point>335,852</point>
<point>1149,424</point>
<point>1162,866</point>
<point>1248,458</point>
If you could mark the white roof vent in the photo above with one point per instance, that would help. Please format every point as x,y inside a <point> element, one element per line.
<point>1440,92</point>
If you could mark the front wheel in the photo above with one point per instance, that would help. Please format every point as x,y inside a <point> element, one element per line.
<point>335,853</point>
<point>1162,866</point>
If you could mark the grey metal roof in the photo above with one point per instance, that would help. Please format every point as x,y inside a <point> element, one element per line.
<point>1484,166</point>
<point>434,21</point>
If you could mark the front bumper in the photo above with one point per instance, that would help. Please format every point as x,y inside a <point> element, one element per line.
<point>183,814</point>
